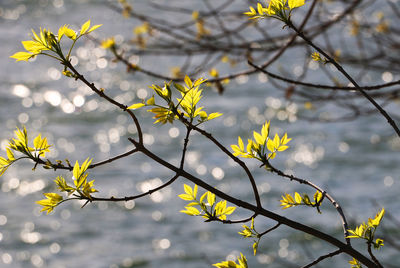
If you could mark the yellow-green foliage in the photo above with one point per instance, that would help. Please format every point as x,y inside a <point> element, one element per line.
<point>355,263</point>
<point>186,106</point>
<point>250,232</point>
<point>367,230</point>
<point>262,147</point>
<point>242,263</point>
<point>20,144</point>
<point>288,201</point>
<point>206,206</point>
<point>82,188</point>
<point>51,202</point>
<point>48,41</point>
<point>279,9</point>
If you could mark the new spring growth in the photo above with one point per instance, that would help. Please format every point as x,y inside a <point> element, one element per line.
<point>367,230</point>
<point>19,144</point>
<point>288,201</point>
<point>279,9</point>
<point>206,206</point>
<point>250,232</point>
<point>242,263</point>
<point>186,106</point>
<point>262,148</point>
<point>81,187</point>
<point>45,42</point>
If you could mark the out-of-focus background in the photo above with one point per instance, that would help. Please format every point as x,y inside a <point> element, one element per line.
<point>355,160</point>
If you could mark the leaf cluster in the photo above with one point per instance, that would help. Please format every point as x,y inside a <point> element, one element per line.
<point>206,206</point>
<point>288,200</point>
<point>186,106</point>
<point>262,147</point>
<point>46,41</point>
<point>82,188</point>
<point>367,230</point>
<point>20,144</point>
<point>241,263</point>
<point>251,232</point>
<point>279,9</point>
<point>355,263</point>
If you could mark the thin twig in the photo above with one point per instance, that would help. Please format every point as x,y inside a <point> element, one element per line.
<point>323,257</point>
<point>324,193</point>
<point>347,75</point>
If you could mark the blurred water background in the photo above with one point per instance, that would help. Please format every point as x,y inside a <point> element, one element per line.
<point>357,161</point>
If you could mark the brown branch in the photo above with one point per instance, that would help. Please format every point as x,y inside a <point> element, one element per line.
<point>128,198</point>
<point>270,229</point>
<point>106,97</point>
<point>372,255</point>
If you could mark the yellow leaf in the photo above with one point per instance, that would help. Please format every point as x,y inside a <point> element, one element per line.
<point>193,204</point>
<point>110,42</point>
<point>297,198</point>
<point>3,161</point>
<point>260,9</point>
<point>195,15</point>
<point>276,141</point>
<point>282,148</point>
<point>210,198</point>
<point>265,130</point>
<point>295,3</point>
<point>22,56</point>
<point>240,143</point>
<point>214,72</point>
<point>53,197</point>
<point>34,46</point>
<point>229,210</point>
<point>37,141</point>
<point>250,13</point>
<point>21,136</point>
<point>318,196</point>
<point>271,145</point>
<point>249,146</point>
<point>76,170</point>
<point>377,220</point>
<point>188,189</point>
<point>258,138</point>
<point>185,197</point>
<point>69,32</point>
<point>136,106</point>
<point>198,82</point>
<point>85,27</point>
<point>195,188</point>
<point>203,196</point>
<point>188,81</point>
<point>289,198</point>
<point>151,101</point>
<point>85,165</point>
<point>235,149</point>
<point>213,116</point>
<point>192,211</point>
<point>61,32</point>
<point>35,36</point>
<point>94,28</point>
<point>10,154</point>
<point>285,139</point>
